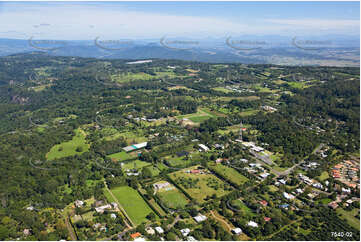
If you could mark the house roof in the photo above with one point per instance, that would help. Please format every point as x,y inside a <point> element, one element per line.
<point>135,235</point>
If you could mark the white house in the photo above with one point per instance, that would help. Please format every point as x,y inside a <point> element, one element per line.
<point>252,224</point>
<point>150,230</point>
<point>185,231</point>
<point>288,196</point>
<point>200,218</point>
<point>203,147</point>
<point>159,230</point>
<point>237,231</point>
<point>191,238</point>
<point>79,203</point>
<point>113,216</point>
<point>102,208</point>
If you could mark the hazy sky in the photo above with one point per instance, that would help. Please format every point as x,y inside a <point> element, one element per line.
<point>117,20</point>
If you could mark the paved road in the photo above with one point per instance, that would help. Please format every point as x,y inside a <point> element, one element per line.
<point>289,170</point>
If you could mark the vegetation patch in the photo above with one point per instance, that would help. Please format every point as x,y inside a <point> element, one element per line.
<point>76,146</point>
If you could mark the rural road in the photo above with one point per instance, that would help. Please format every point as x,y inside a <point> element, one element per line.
<point>221,220</point>
<point>70,229</point>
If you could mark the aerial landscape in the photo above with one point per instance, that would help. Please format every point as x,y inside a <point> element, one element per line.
<point>171,144</point>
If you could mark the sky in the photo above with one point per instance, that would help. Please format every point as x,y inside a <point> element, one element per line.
<point>151,20</point>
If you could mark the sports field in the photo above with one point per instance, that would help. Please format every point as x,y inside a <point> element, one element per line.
<point>134,205</point>
<point>76,146</point>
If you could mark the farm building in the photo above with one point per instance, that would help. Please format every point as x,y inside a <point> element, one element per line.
<point>203,147</point>
<point>161,185</point>
<point>135,147</point>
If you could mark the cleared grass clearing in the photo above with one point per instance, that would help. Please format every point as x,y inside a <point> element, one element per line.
<point>153,170</point>
<point>130,137</point>
<point>249,112</point>
<point>137,164</point>
<point>128,77</point>
<point>133,203</point>
<point>324,175</point>
<point>120,156</point>
<point>222,89</point>
<point>229,173</point>
<point>173,198</point>
<point>76,146</point>
<point>238,204</point>
<point>350,217</point>
<point>206,184</point>
<point>197,117</point>
<point>227,99</point>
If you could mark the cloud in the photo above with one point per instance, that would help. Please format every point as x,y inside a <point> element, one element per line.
<point>310,25</point>
<point>87,21</point>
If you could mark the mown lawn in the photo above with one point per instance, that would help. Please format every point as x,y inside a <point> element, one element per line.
<point>76,146</point>
<point>134,205</point>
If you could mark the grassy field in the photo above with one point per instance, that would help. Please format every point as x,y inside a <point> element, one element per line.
<point>132,202</point>
<point>76,146</point>
<point>324,175</point>
<point>173,198</point>
<point>138,164</point>
<point>128,77</point>
<point>120,156</point>
<point>206,185</point>
<point>197,117</point>
<point>222,89</point>
<point>249,112</point>
<point>350,217</point>
<point>130,137</point>
<point>153,170</point>
<point>240,205</point>
<point>227,99</point>
<point>229,173</point>
<point>178,161</point>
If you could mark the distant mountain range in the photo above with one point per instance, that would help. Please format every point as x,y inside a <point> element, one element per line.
<point>328,50</point>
